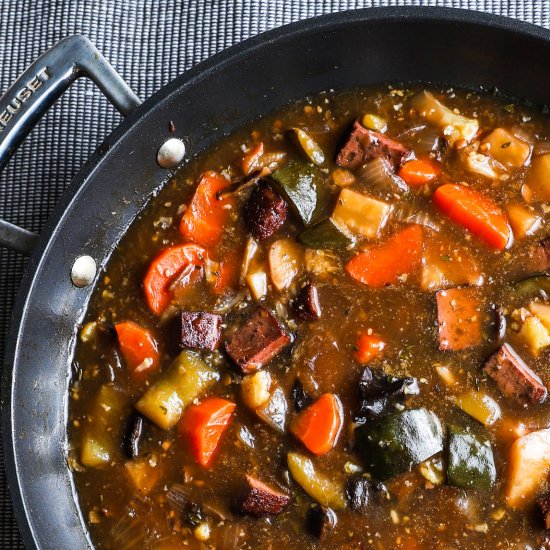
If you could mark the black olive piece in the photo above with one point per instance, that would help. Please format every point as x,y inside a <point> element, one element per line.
<point>299,396</point>
<point>134,433</point>
<point>320,521</point>
<point>194,514</point>
<point>361,492</point>
<point>306,305</point>
<point>377,392</point>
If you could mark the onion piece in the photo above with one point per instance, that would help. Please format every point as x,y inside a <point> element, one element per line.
<point>429,140</point>
<point>378,174</point>
<point>407,214</point>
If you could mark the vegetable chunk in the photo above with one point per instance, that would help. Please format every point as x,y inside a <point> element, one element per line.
<point>538,177</point>
<point>506,148</point>
<point>303,186</point>
<point>418,172</point>
<point>528,467</point>
<point>183,262</point>
<point>369,346</point>
<point>203,426</point>
<point>187,378</point>
<point>476,212</point>
<point>321,488</point>
<point>99,443</point>
<point>256,342</point>
<point>362,215</point>
<point>206,216</point>
<point>399,441</point>
<point>454,126</point>
<point>285,262</point>
<point>384,264</point>
<point>459,318</point>
<point>318,426</point>
<point>470,461</point>
<point>139,349</point>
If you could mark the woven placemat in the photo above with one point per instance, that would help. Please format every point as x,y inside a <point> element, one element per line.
<point>155,39</point>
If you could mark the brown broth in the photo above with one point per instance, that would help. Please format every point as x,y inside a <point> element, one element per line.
<point>418,515</point>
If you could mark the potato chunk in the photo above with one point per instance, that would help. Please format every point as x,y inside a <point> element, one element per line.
<point>538,177</point>
<point>454,126</point>
<point>362,215</point>
<point>506,148</point>
<point>528,467</point>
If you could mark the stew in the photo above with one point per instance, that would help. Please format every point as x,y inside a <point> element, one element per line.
<point>332,330</point>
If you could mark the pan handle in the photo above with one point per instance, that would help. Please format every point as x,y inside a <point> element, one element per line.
<point>36,90</point>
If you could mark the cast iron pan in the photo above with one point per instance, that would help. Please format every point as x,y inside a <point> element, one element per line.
<point>339,51</point>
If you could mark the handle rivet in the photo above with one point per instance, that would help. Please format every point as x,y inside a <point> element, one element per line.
<point>83,271</point>
<point>171,153</point>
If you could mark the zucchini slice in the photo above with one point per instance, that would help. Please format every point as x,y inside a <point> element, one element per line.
<point>187,378</point>
<point>303,186</point>
<point>326,234</point>
<point>398,442</point>
<point>470,461</point>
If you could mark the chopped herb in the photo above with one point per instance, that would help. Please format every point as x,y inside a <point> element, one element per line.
<point>510,107</point>
<point>507,144</point>
<point>446,258</point>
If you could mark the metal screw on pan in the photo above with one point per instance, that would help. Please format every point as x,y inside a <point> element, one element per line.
<point>171,153</point>
<point>83,271</point>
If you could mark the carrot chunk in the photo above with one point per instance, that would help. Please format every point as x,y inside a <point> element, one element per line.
<point>476,212</point>
<point>383,264</point>
<point>417,172</point>
<point>318,426</point>
<point>177,262</point>
<point>205,219</point>
<point>203,426</point>
<point>228,276</point>
<point>368,347</point>
<point>459,318</point>
<point>139,349</point>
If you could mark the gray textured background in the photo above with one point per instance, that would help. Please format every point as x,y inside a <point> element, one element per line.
<point>149,43</point>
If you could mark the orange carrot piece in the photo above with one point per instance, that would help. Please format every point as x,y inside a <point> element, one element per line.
<point>251,161</point>
<point>139,349</point>
<point>203,426</point>
<point>318,426</point>
<point>459,318</point>
<point>228,276</point>
<point>417,172</point>
<point>206,216</point>
<point>165,268</point>
<point>368,347</point>
<point>476,212</point>
<point>382,264</point>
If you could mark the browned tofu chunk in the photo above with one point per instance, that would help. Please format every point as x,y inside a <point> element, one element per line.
<point>200,330</point>
<point>513,377</point>
<point>259,499</point>
<point>265,211</point>
<point>364,145</point>
<point>256,342</point>
<point>459,319</point>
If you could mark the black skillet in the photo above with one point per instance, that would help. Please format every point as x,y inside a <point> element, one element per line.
<point>344,50</point>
